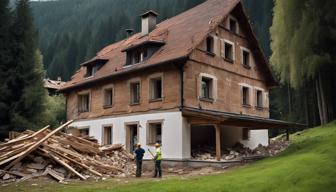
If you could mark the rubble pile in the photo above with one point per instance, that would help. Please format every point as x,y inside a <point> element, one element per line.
<point>60,156</point>
<point>239,152</point>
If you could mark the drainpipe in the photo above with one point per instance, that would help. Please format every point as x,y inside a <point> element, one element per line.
<point>181,69</point>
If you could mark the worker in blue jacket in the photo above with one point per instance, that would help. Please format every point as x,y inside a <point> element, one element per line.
<point>139,153</point>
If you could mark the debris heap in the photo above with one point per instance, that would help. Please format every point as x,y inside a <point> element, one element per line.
<point>61,156</point>
<point>239,152</point>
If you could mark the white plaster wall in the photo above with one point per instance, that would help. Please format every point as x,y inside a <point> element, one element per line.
<point>231,135</point>
<point>173,133</point>
<point>186,139</point>
<point>257,137</point>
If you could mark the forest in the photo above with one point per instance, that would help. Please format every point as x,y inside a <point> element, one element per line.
<point>297,37</point>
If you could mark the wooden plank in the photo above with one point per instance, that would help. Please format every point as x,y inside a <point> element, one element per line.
<point>23,154</point>
<point>64,164</point>
<point>76,162</point>
<point>24,138</point>
<point>218,142</point>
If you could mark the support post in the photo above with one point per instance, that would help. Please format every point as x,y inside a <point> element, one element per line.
<point>218,142</point>
<point>287,134</point>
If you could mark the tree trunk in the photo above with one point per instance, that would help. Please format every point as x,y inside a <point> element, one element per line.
<point>306,107</point>
<point>318,98</point>
<point>323,101</point>
<point>289,100</point>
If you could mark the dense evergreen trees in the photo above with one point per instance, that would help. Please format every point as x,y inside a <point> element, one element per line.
<point>22,96</point>
<point>303,45</point>
<point>72,31</point>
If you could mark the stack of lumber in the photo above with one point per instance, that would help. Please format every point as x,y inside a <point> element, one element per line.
<point>60,156</point>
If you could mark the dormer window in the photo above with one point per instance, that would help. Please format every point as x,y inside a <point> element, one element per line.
<point>139,56</point>
<point>91,70</point>
<point>93,66</point>
<point>233,25</point>
<point>141,52</point>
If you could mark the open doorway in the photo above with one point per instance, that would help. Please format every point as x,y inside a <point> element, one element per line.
<point>203,141</point>
<point>107,135</point>
<point>132,136</point>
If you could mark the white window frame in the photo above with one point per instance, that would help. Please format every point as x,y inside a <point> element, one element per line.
<point>103,133</point>
<point>87,92</point>
<point>225,41</point>
<point>150,85</point>
<point>228,23</point>
<point>250,90</point>
<point>129,82</point>
<point>256,89</point>
<point>213,91</point>
<point>242,49</point>
<point>148,135</point>
<point>103,93</point>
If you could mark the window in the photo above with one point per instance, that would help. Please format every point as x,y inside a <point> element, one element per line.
<point>135,92</point>
<point>91,70</point>
<point>246,58</point>
<point>245,134</point>
<point>154,133</point>
<point>83,103</point>
<point>210,44</point>
<point>137,56</point>
<point>246,96</point>
<point>228,51</point>
<point>107,135</point>
<point>108,97</point>
<point>156,88</point>
<point>206,86</point>
<point>84,132</point>
<point>233,25</point>
<point>259,96</point>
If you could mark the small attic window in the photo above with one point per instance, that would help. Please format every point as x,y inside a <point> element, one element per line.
<point>91,70</point>
<point>93,66</point>
<point>210,44</point>
<point>233,26</point>
<point>137,56</point>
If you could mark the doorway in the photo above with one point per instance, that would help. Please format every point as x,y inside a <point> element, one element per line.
<point>132,136</point>
<point>107,135</point>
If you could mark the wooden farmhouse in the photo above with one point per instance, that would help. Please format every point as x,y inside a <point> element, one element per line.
<point>199,78</point>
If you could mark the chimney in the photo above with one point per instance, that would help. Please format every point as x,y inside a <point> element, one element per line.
<point>148,22</point>
<point>129,32</point>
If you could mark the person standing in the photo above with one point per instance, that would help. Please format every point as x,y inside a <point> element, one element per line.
<point>139,153</point>
<point>157,160</point>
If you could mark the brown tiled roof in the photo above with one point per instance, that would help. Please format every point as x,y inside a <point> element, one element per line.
<point>180,34</point>
<point>51,84</point>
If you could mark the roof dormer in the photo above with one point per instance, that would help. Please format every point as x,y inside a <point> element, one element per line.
<point>141,52</point>
<point>93,66</point>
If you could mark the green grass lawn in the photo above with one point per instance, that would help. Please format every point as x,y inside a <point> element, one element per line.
<point>309,164</point>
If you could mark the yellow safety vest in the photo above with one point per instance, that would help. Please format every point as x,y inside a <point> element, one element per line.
<point>158,154</point>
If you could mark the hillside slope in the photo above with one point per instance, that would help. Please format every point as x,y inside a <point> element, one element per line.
<point>307,165</point>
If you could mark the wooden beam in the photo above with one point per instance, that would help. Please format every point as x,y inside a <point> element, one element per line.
<point>23,154</point>
<point>218,142</point>
<point>25,138</point>
<point>287,134</point>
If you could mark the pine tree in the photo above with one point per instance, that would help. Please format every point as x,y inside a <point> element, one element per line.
<point>27,82</point>
<point>5,67</point>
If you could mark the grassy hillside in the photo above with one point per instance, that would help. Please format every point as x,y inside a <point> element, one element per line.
<point>307,165</point>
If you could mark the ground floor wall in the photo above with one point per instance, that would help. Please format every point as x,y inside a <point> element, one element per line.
<point>176,133</point>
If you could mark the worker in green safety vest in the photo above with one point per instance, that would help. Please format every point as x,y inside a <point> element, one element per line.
<point>157,160</point>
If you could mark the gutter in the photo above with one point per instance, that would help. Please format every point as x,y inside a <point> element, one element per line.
<point>181,70</point>
<point>84,84</point>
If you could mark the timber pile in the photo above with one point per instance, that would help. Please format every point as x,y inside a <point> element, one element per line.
<point>239,152</point>
<point>61,156</point>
